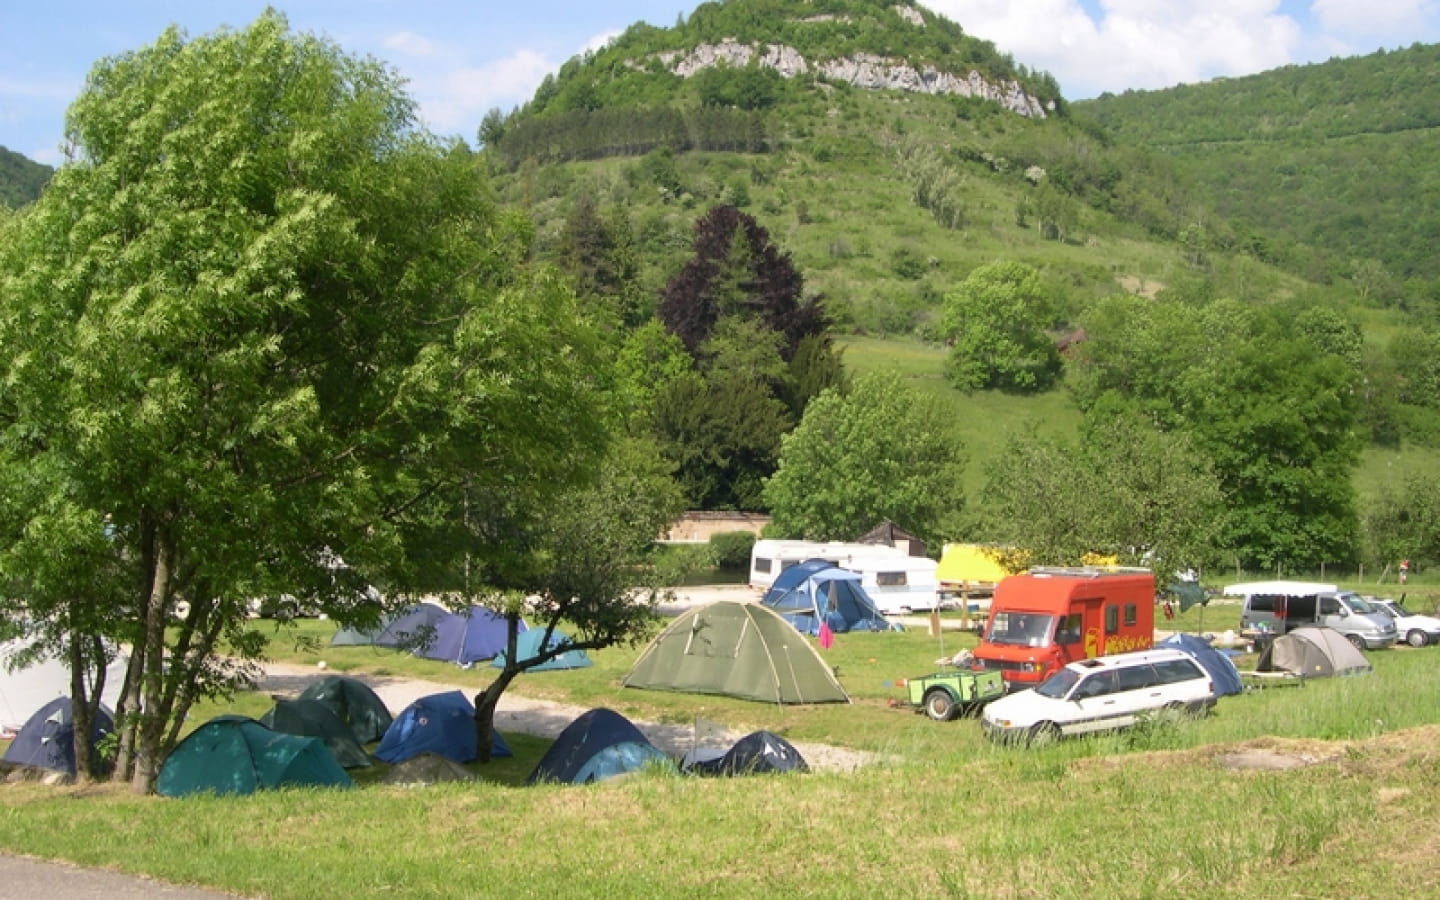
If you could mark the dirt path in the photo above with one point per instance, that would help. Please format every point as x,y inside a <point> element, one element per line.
<point>546,718</point>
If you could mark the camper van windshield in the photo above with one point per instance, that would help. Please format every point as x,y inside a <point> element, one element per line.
<point>1021,629</point>
<point>1359,605</point>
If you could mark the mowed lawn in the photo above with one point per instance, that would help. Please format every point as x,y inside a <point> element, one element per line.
<point>1321,790</point>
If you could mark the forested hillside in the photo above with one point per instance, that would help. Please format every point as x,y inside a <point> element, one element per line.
<point>1337,156</point>
<point>21,179</point>
<point>1032,253</point>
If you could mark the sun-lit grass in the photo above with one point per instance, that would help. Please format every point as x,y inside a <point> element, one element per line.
<point>1153,812</point>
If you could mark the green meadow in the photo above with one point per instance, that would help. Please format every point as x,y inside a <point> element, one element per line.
<point>1317,790</point>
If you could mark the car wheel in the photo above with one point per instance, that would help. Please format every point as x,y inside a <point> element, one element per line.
<point>1416,638</point>
<point>1042,734</point>
<point>1356,640</point>
<point>939,706</point>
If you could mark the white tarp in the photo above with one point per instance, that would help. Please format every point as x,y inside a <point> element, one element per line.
<point>24,691</point>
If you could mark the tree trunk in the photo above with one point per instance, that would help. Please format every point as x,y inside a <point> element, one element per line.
<point>80,711</point>
<point>151,723</point>
<point>485,703</point>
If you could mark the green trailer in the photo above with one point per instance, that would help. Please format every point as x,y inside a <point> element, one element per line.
<point>945,695</point>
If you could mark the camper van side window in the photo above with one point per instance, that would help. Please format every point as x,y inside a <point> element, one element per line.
<point>1262,603</point>
<point>1112,619</point>
<point>890,579</point>
<point>1129,614</point>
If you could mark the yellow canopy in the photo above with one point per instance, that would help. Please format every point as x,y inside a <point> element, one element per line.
<point>972,564</point>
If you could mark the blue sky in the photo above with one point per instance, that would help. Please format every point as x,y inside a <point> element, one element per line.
<point>464,57</point>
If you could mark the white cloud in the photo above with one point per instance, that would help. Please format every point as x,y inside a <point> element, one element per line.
<point>1132,43</point>
<point>453,102</point>
<point>409,43</point>
<point>600,40</point>
<point>1385,18</point>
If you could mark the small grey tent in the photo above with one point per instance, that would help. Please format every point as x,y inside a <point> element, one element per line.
<point>742,650</point>
<point>1313,651</point>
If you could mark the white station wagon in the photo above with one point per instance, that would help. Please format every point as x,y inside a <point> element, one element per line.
<point>1101,694</point>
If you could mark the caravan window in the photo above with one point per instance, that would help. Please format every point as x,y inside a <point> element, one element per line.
<point>1130,614</point>
<point>1262,603</point>
<point>890,579</point>
<point>762,565</point>
<point>1112,619</point>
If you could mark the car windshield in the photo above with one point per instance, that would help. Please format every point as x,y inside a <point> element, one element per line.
<point>1021,629</point>
<point>1058,685</point>
<point>1358,605</point>
<point>1397,608</point>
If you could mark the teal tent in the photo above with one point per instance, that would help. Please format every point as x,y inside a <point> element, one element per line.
<point>527,646</point>
<point>238,755</point>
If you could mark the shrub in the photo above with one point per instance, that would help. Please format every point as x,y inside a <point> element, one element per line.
<point>731,549</point>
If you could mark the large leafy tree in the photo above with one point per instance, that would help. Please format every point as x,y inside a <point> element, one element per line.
<point>599,253</point>
<point>1126,490</point>
<point>1274,411</point>
<point>590,543</point>
<point>736,270</point>
<point>996,321</point>
<point>257,321</point>
<point>760,351</point>
<point>1403,522</point>
<point>879,451</point>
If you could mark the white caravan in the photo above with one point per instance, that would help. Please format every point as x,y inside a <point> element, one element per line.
<point>896,581</point>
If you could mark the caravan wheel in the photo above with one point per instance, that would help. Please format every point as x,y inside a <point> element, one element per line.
<point>939,706</point>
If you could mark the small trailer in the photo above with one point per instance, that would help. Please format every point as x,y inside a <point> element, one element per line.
<point>945,695</point>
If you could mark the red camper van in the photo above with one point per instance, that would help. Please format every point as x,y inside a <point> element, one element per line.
<point>1047,617</point>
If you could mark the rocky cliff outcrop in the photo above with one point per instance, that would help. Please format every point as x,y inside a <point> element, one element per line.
<point>862,70</point>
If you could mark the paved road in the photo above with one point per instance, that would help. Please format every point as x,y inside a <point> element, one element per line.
<point>21,876</point>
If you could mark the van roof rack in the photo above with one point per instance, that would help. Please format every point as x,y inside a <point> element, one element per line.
<point>1088,571</point>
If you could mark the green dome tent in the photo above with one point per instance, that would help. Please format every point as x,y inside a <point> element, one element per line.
<point>238,755</point>
<point>742,650</point>
<point>311,718</point>
<point>355,703</point>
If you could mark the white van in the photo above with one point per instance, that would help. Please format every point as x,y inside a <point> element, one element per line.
<point>1101,694</point>
<point>1276,607</point>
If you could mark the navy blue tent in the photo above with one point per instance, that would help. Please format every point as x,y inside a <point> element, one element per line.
<point>1217,665</point>
<point>47,740</point>
<point>832,595</point>
<point>757,753</point>
<point>599,744</point>
<point>443,724</point>
<point>794,576</point>
<point>468,637</point>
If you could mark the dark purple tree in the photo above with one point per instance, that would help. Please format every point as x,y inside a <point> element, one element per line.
<point>738,270</point>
